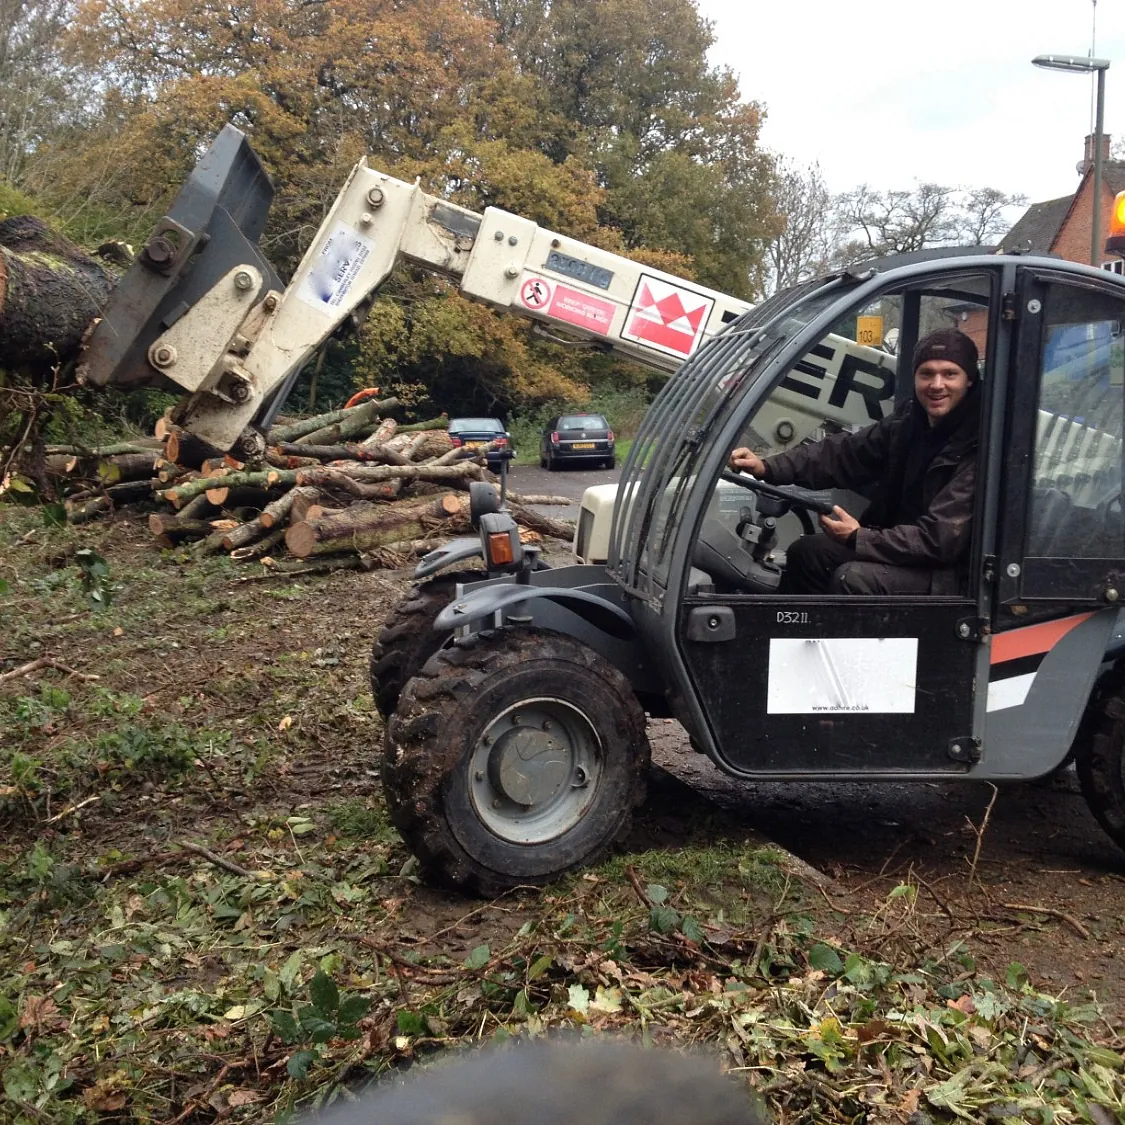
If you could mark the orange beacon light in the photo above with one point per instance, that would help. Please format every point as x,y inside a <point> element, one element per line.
<point>1115,242</point>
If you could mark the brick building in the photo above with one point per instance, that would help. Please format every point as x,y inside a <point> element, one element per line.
<point>1062,226</point>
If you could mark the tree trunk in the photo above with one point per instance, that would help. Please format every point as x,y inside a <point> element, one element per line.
<point>50,290</point>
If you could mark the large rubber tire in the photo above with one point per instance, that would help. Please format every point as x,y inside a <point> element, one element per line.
<point>514,757</point>
<point>1099,758</point>
<point>407,639</point>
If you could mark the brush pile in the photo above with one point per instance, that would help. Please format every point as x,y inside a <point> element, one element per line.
<point>348,488</point>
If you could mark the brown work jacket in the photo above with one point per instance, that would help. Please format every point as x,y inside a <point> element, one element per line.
<point>939,539</point>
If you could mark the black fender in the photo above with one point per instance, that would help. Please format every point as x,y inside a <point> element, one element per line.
<point>478,604</point>
<point>455,551</point>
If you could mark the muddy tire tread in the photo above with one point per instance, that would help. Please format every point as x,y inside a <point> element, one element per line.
<point>405,643</point>
<point>1099,753</point>
<point>417,759</point>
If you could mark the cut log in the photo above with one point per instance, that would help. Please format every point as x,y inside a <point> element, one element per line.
<point>266,478</point>
<point>126,466</point>
<point>50,290</point>
<point>383,433</point>
<point>532,498</point>
<point>196,508</point>
<point>348,452</point>
<point>141,445</point>
<point>303,499</point>
<point>357,419</point>
<point>244,535</point>
<point>276,512</point>
<point>291,431</point>
<point>363,526</point>
<point>170,529</point>
<point>372,474</point>
<point>556,529</point>
<point>188,450</point>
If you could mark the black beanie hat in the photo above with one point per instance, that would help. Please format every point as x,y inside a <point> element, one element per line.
<point>948,344</point>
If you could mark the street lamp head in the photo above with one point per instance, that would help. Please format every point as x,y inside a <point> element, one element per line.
<point>1076,64</point>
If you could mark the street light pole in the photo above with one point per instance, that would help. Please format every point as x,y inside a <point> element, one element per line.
<point>1082,64</point>
<point>1096,230</point>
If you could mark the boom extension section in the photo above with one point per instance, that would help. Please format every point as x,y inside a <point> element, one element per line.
<point>203,309</point>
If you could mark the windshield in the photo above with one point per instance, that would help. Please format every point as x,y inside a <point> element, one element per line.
<point>662,462</point>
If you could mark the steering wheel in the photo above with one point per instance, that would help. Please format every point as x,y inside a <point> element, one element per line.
<point>801,498</point>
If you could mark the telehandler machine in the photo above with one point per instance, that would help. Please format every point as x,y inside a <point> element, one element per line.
<point>516,696</point>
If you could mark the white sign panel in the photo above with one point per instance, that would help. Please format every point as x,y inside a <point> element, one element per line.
<point>862,675</point>
<point>667,317</point>
<point>335,269</point>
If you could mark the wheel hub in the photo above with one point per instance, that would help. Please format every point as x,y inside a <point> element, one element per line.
<point>535,770</point>
<point>528,765</point>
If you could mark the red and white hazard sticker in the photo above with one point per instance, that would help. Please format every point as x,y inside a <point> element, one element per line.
<point>667,317</point>
<point>561,302</point>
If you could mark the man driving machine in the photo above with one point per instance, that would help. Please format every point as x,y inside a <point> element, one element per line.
<point>914,536</point>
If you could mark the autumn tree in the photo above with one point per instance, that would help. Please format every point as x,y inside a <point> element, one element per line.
<point>603,121</point>
<point>673,144</point>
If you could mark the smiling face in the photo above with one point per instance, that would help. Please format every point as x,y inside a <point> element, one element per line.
<point>940,385</point>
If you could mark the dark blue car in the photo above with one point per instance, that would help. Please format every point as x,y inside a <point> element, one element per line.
<point>474,433</point>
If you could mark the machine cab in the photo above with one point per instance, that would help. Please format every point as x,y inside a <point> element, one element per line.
<point>986,668</point>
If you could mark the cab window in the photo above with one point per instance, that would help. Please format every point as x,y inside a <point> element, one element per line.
<point>1074,506</point>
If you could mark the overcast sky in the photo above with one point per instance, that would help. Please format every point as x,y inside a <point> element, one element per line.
<point>892,91</point>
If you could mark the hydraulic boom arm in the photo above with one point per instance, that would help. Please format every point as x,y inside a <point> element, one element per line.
<point>202,308</point>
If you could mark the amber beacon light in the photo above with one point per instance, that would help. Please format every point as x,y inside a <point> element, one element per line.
<point>1115,242</point>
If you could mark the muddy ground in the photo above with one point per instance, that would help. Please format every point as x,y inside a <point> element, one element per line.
<point>250,652</point>
<point>266,680</point>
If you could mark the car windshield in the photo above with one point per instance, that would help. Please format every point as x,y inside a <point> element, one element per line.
<point>582,422</point>
<point>475,424</point>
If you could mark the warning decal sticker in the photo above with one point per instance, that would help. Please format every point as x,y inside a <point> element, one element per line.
<point>560,302</point>
<point>667,317</point>
<point>535,293</point>
<point>335,269</point>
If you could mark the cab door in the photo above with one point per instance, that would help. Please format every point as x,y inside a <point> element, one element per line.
<point>841,685</point>
<point>1061,557</point>
<point>1062,536</point>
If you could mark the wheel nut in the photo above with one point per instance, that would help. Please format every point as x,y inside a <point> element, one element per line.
<point>497,803</point>
<point>479,775</point>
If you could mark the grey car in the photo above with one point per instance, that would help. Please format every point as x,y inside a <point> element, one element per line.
<point>572,439</point>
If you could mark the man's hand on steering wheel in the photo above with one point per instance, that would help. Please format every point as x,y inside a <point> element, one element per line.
<point>748,461</point>
<point>839,526</point>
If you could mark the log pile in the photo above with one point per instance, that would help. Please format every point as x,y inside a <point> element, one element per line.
<point>347,488</point>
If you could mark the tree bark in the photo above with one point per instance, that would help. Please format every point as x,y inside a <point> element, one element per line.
<point>50,290</point>
<point>356,419</point>
<point>266,478</point>
<point>379,454</point>
<point>363,526</point>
